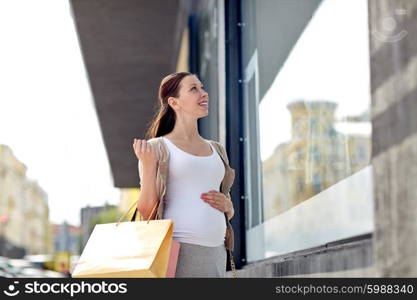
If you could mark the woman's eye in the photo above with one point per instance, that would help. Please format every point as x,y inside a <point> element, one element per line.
<point>196,88</point>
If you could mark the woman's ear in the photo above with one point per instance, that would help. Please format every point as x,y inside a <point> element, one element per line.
<point>173,102</point>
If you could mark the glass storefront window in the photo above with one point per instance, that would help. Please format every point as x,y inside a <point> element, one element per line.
<point>308,131</point>
<point>209,63</point>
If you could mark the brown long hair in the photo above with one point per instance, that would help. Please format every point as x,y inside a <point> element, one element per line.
<point>164,120</point>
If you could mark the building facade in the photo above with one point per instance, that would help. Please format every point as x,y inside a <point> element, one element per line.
<point>25,227</point>
<point>309,190</point>
<point>67,238</point>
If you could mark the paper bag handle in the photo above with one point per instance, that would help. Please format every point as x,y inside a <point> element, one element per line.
<point>134,215</point>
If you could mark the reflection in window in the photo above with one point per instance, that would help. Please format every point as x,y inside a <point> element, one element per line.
<point>307,131</point>
<point>316,183</point>
<point>315,154</point>
<point>315,126</point>
<point>330,155</point>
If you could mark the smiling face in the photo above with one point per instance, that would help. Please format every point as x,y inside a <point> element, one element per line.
<point>192,99</point>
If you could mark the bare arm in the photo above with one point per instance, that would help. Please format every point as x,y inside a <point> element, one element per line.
<point>147,171</point>
<point>148,195</point>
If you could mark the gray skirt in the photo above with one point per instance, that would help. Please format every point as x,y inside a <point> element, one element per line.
<point>201,261</point>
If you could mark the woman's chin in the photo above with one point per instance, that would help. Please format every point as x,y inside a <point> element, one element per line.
<point>202,115</point>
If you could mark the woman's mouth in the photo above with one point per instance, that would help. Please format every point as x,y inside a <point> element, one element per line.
<point>203,104</point>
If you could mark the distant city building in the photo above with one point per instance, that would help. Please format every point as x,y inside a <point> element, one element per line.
<point>38,235</point>
<point>25,226</point>
<point>67,238</point>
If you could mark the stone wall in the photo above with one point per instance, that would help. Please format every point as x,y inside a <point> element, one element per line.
<point>393,49</point>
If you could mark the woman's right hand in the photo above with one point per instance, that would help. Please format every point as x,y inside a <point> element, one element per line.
<point>145,152</point>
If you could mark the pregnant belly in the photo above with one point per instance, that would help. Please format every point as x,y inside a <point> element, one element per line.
<point>202,220</point>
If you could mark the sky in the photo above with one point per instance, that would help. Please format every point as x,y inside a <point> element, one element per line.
<point>47,113</point>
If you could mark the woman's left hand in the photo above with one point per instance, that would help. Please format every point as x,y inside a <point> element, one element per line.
<point>217,200</point>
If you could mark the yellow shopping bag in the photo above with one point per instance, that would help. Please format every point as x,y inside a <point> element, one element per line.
<point>127,249</point>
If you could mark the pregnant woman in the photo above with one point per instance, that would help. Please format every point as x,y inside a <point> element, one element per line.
<point>187,178</point>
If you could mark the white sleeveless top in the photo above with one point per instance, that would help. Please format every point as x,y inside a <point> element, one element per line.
<point>195,221</point>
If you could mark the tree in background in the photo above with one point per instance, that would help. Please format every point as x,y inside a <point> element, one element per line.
<point>110,215</point>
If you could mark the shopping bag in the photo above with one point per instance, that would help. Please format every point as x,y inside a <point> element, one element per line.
<point>173,259</point>
<point>127,249</point>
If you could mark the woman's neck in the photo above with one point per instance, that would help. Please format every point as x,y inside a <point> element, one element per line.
<point>184,133</point>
